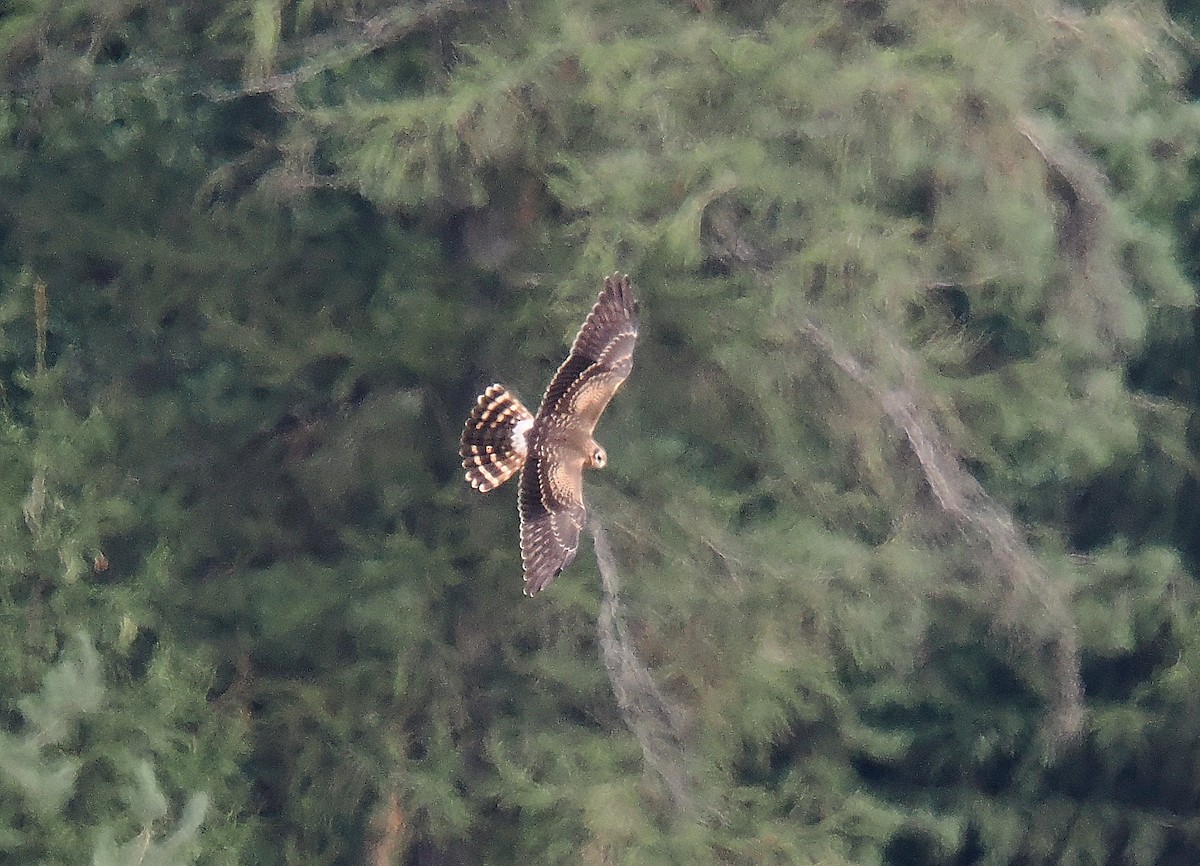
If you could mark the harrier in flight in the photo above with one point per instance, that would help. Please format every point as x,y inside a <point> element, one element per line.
<point>552,448</point>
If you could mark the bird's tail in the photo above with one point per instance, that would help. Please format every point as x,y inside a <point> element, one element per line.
<point>494,443</point>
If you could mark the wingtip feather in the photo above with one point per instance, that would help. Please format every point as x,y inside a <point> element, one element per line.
<point>620,286</point>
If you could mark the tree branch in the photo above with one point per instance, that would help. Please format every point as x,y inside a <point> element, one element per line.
<point>1032,609</point>
<point>646,712</point>
<point>1095,281</point>
<point>352,42</point>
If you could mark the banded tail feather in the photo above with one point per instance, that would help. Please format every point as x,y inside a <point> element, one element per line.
<point>494,441</point>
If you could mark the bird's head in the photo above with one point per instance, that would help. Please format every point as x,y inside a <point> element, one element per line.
<point>597,457</point>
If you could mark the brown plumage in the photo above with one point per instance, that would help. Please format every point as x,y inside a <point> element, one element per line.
<point>551,449</point>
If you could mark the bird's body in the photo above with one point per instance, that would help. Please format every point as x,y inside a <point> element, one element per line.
<point>552,448</point>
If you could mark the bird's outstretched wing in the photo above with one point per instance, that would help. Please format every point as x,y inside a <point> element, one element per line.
<point>600,360</point>
<point>552,516</point>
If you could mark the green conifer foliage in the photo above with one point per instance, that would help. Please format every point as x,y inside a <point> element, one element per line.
<point>108,751</point>
<point>900,555</point>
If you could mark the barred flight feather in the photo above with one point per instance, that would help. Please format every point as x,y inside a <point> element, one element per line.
<point>494,441</point>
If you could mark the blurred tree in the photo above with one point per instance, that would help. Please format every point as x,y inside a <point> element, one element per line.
<point>109,748</point>
<point>899,496</point>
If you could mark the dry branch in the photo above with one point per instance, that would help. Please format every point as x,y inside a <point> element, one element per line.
<point>1095,281</point>
<point>1032,610</point>
<point>647,713</point>
<point>352,42</point>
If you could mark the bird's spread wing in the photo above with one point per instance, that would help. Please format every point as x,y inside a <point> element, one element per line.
<point>552,515</point>
<point>600,359</point>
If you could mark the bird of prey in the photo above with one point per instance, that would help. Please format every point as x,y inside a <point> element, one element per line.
<point>552,448</point>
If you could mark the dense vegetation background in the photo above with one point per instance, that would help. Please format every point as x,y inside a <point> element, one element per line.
<point>900,545</point>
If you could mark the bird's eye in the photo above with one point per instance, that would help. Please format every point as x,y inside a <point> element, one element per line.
<point>598,457</point>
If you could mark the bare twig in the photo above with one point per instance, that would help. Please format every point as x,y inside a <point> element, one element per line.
<point>356,40</point>
<point>1032,611</point>
<point>1095,280</point>
<point>390,831</point>
<point>645,710</point>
